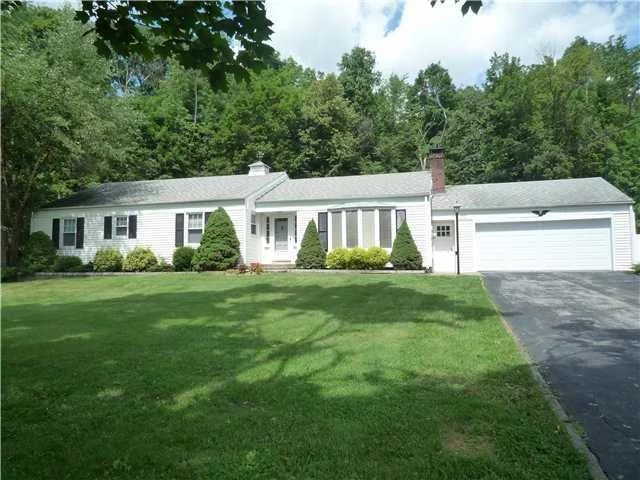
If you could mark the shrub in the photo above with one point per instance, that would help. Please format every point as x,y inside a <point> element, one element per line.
<point>376,258</point>
<point>182,258</point>
<point>338,258</point>
<point>139,259</point>
<point>219,248</point>
<point>357,259</point>
<point>311,253</point>
<point>405,254</point>
<point>107,260</point>
<point>65,263</point>
<point>636,269</point>
<point>162,266</point>
<point>39,253</point>
<point>8,274</point>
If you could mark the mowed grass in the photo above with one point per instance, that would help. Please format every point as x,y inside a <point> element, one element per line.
<point>273,376</point>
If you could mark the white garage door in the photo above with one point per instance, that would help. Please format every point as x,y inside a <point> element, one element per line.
<point>554,245</point>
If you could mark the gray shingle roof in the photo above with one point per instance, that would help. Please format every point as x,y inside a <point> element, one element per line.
<point>176,190</point>
<point>409,184</point>
<point>545,193</point>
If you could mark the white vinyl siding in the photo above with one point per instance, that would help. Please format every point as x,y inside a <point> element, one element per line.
<point>368,228</point>
<point>156,227</point>
<point>336,229</point>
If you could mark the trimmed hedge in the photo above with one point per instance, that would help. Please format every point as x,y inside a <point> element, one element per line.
<point>162,266</point>
<point>405,254</point>
<point>65,263</point>
<point>219,248</point>
<point>373,258</point>
<point>139,259</point>
<point>39,253</point>
<point>182,258</point>
<point>107,260</point>
<point>311,253</point>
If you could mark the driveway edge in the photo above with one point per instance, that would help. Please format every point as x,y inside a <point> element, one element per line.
<point>576,440</point>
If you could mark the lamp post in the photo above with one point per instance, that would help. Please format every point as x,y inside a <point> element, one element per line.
<point>456,209</point>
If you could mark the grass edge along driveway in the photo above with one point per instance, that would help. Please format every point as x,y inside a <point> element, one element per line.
<point>271,376</point>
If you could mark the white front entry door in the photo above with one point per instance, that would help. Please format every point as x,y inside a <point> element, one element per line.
<point>444,256</point>
<point>281,242</point>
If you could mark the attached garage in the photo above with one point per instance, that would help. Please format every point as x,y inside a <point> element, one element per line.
<point>544,245</point>
<point>573,224</point>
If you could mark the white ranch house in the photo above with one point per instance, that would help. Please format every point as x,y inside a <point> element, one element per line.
<point>574,224</point>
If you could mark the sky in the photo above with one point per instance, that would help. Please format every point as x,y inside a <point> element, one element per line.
<point>408,35</point>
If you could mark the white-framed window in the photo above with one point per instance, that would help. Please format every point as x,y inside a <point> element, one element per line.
<point>122,226</point>
<point>254,226</point>
<point>69,232</point>
<point>443,230</point>
<point>194,227</point>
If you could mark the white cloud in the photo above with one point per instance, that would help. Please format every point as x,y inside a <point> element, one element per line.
<point>317,32</point>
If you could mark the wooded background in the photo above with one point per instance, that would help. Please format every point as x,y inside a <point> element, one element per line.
<point>71,118</point>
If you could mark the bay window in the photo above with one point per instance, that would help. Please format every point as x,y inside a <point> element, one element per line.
<point>385,228</point>
<point>336,229</point>
<point>368,228</point>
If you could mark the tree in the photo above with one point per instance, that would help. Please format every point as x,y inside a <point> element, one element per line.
<point>219,247</point>
<point>59,123</point>
<point>311,253</point>
<point>405,254</point>
<point>359,79</point>
<point>200,35</point>
<point>473,5</point>
<point>327,142</point>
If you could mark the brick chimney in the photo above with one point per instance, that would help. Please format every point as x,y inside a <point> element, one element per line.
<point>436,162</point>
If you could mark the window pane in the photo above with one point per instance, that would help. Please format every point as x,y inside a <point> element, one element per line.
<point>352,228</point>
<point>401,216</point>
<point>195,236</point>
<point>385,228</point>
<point>195,221</point>
<point>368,231</point>
<point>69,239</point>
<point>336,229</point>
<point>70,225</point>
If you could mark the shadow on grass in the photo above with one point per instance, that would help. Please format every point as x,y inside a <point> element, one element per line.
<point>262,381</point>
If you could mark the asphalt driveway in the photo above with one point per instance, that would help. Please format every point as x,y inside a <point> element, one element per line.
<point>583,332</point>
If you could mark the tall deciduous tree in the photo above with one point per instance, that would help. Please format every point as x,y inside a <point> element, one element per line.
<point>58,121</point>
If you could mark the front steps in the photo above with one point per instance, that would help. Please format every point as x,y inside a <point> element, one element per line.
<point>278,267</point>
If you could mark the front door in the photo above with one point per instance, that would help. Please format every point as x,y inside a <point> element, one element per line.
<point>282,238</point>
<point>444,256</point>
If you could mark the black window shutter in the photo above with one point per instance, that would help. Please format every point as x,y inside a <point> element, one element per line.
<point>107,228</point>
<point>179,229</point>
<point>206,219</point>
<point>55,233</point>
<point>80,232</point>
<point>267,230</point>
<point>322,229</point>
<point>133,226</point>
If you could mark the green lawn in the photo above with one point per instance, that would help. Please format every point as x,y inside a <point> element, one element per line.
<point>275,376</point>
